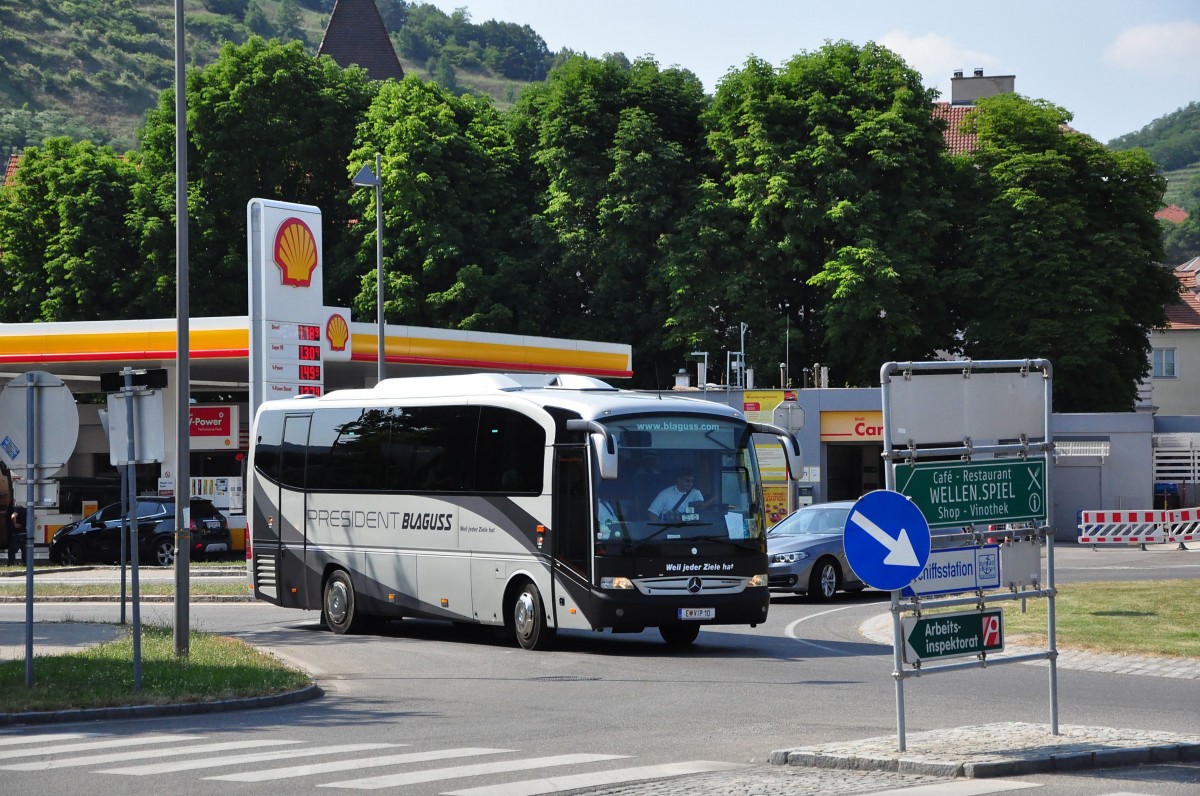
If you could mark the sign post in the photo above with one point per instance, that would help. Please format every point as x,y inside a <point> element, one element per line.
<point>967,442</point>
<point>39,425</point>
<point>140,428</point>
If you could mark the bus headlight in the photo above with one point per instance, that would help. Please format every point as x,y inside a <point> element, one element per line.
<point>756,581</point>
<point>616,583</point>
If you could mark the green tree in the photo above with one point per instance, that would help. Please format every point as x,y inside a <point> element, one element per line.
<point>256,20</point>
<point>288,21</point>
<point>455,212</point>
<point>1063,252</point>
<point>821,229</point>
<point>394,13</point>
<point>23,127</point>
<point>235,8</point>
<point>614,148</point>
<point>65,248</point>
<point>264,120</point>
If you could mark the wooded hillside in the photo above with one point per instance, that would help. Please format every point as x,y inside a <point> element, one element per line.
<point>90,69</point>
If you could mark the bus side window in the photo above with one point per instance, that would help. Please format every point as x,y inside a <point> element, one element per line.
<point>355,459</point>
<point>267,448</point>
<point>510,453</point>
<point>293,455</point>
<point>572,527</point>
<point>431,449</point>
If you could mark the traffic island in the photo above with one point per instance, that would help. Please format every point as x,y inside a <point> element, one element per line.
<point>998,750</point>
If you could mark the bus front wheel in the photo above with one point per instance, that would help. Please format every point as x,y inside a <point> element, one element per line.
<point>338,608</point>
<point>529,619</point>
<point>679,635</point>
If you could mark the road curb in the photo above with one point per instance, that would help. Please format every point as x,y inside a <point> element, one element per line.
<point>155,711</point>
<point>998,750</point>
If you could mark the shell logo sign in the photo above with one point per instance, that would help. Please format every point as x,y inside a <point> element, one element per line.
<point>295,252</point>
<point>337,332</point>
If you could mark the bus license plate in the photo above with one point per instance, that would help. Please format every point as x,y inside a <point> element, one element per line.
<point>697,613</point>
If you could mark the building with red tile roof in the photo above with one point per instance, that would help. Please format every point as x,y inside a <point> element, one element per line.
<point>1173,213</point>
<point>10,170</point>
<point>957,142</point>
<point>1175,349</point>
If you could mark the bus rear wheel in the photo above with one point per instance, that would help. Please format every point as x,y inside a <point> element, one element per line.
<point>338,607</point>
<point>679,635</point>
<point>529,619</point>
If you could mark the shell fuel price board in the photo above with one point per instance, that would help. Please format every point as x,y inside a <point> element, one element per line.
<point>293,361</point>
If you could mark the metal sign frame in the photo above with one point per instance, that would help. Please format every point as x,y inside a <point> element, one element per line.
<point>970,412</point>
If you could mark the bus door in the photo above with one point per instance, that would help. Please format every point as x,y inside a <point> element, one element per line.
<point>289,538</point>
<point>571,537</point>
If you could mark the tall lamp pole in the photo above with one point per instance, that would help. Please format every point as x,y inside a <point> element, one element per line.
<point>183,387</point>
<point>368,178</point>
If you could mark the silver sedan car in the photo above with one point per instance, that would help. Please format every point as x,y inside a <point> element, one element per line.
<point>806,554</point>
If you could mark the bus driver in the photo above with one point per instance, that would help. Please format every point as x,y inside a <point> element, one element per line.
<point>680,498</point>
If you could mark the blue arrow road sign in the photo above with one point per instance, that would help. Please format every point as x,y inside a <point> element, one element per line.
<point>887,540</point>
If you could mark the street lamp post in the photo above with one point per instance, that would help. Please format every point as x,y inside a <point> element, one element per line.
<point>368,178</point>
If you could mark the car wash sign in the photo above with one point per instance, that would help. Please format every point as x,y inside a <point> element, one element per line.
<point>957,494</point>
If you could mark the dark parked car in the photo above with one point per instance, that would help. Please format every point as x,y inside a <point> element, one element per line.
<point>97,537</point>
<point>806,554</point>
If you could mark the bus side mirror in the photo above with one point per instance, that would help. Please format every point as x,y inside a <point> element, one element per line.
<point>603,442</point>
<point>791,446</point>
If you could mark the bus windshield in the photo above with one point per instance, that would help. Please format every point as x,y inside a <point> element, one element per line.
<point>681,479</point>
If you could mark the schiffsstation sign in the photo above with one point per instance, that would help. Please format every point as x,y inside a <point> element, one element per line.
<point>957,494</point>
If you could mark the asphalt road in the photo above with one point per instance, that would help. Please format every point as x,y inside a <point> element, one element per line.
<point>808,675</point>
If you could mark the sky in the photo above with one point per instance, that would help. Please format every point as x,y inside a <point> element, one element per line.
<point>1115,65</point>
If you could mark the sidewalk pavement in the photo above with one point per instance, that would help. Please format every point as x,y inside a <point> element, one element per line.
<point>54,638</point>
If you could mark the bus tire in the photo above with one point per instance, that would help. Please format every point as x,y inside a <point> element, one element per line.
<point>529,619</point>
<point>679,635</point>
<point>339,610</point>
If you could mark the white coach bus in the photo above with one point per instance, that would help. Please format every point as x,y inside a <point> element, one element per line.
<point>532,502</point>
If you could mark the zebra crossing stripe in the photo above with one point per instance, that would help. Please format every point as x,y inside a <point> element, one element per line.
<point>257,757</point>
<point>89,745</point>
<point>436,774</point>
<point>532,787</point>
<point>17,740</point>
<point>141,754</point>
<point>350,765</point>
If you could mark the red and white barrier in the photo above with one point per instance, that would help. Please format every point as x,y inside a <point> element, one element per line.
<point>1139,526</point>
<point>1185,526</point>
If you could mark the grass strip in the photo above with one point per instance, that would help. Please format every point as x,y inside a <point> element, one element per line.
<point>215,588</point>
<point>217,667</point>
<point>1128,618</point>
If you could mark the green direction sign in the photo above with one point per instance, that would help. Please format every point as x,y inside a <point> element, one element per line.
<point>957,494</point>
<point>952,635</point>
